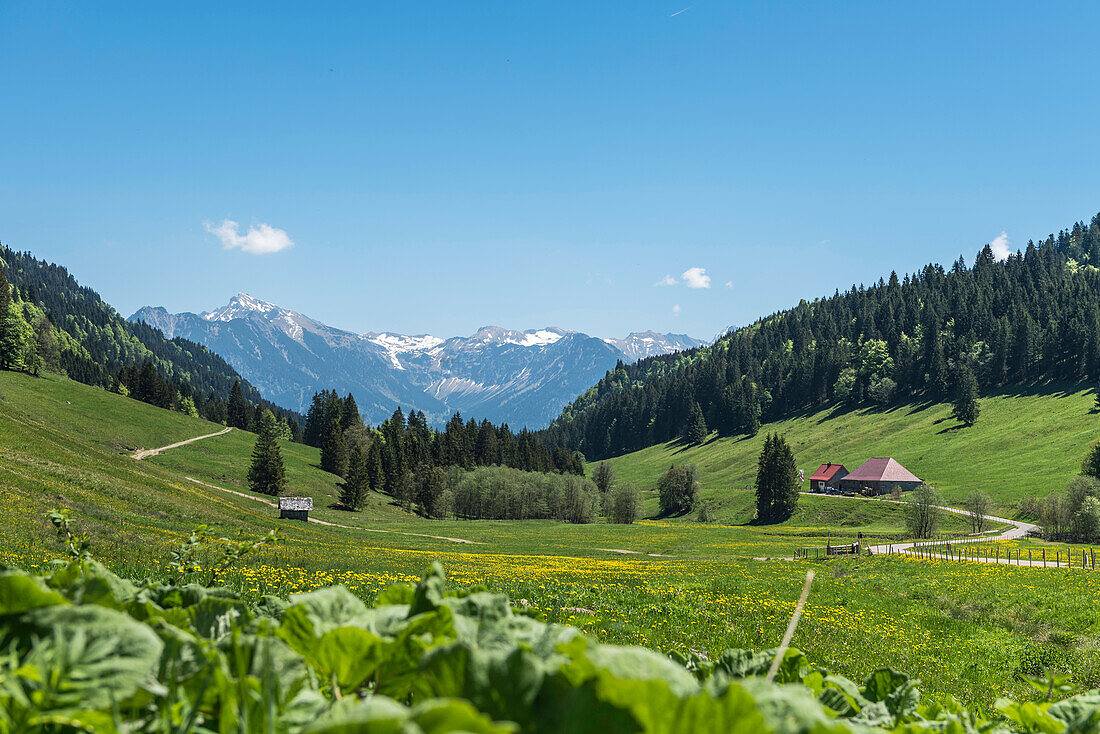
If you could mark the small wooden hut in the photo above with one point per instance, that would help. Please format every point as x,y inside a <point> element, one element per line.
<point>295,508</point>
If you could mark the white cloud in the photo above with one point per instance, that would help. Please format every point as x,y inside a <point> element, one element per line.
<point>261,240</point>
<point>696,278</point>
<point>676,310</point>
<point>667,280</point>
<point>1000,245</point>
<point>729,283</point>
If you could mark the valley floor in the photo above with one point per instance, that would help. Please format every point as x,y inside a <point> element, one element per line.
<point>965,628</point>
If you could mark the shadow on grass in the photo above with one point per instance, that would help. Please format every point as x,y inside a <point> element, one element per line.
<point>919,403</point>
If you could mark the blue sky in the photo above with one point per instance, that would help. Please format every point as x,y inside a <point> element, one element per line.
<point>441,166</point>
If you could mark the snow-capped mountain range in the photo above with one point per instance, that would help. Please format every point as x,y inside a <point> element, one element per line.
<point>518,377</point>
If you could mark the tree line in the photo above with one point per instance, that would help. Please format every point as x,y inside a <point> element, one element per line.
<point>935,335</point>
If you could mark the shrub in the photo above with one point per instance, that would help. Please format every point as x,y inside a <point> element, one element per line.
<point>678,490</point>
<point>624,504</point>
<point>882,390</point>
<point>845,385</point>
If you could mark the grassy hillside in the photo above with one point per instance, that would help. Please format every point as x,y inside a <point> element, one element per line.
<point>66,444</point>
<point>963,629</point>
<point>1024,443</point>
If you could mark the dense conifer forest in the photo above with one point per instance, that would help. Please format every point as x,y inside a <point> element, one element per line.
<point>439,473</point>
<point>1031,318</point>
<point>400,444</point>
<point>52,322</point>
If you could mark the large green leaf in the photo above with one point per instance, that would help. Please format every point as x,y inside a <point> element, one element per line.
<point>1080,713</point>
<point>347,656</point>
<point>215,617</point>
<point>381,715</point>
<point>90,656</point>
<point>429,592</point>
<point>20,593</point>
<point>92,583</point>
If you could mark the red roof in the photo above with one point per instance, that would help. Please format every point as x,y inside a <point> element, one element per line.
<point>882,470</point>
<point>826,472</point>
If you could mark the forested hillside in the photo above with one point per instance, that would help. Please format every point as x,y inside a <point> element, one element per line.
<point>85,338</point>
<point>1030,318</point>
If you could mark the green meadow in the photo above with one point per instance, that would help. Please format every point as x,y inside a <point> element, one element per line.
<point>964,628</point>
<point>1024,443</point>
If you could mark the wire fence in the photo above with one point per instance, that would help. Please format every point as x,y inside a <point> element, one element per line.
<point>994,552</point>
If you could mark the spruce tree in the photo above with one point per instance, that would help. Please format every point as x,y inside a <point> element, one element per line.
<point>966,396</point>
<point>937,367</point>
<point>349,413</point>
<point>354,490</point>
<point>776,480</point>
<point>237,409</point>
<point>786,485</point>
<point>46,343</point>
<point>8,353</point>
<point>267,475</point>
<point>748,411</point>
<point>1090,467</point>
<point>334,451</point>
<point>695,431</point>
<point>374,466</point>
<point>764,491</point>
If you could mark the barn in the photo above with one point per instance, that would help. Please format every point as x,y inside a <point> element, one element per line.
<point>880,476</point>
<point>827,476</point>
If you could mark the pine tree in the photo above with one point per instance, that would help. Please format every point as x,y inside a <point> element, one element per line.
<point>966,396</point>
<point>349,413</point>
<point>764,493</point>
<point>8,347</point>
<point>937,367</point>
<point>353,493</point>
<point>748,412</point>
<point>374,466</point>
<point>267,475</point>
<point>334,451</point>
<point>46,343</point>
<point>786,487</point>
<point>695,431</point>
<point>237,409</point>
<point>776,480</point>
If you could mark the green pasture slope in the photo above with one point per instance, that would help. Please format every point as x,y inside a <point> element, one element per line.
<point>66,444</point>
<point>1027,442</point>
<point>964,629</point>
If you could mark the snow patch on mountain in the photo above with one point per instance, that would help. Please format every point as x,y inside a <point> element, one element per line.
<point>240,306</point>
<point>449,386</point>
<point>540,338</point>
<point>396,344</point>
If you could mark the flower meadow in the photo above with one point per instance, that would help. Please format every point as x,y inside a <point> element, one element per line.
<point>971,630</point>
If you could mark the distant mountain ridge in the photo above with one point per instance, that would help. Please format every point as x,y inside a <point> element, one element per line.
<point>518,377</point>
